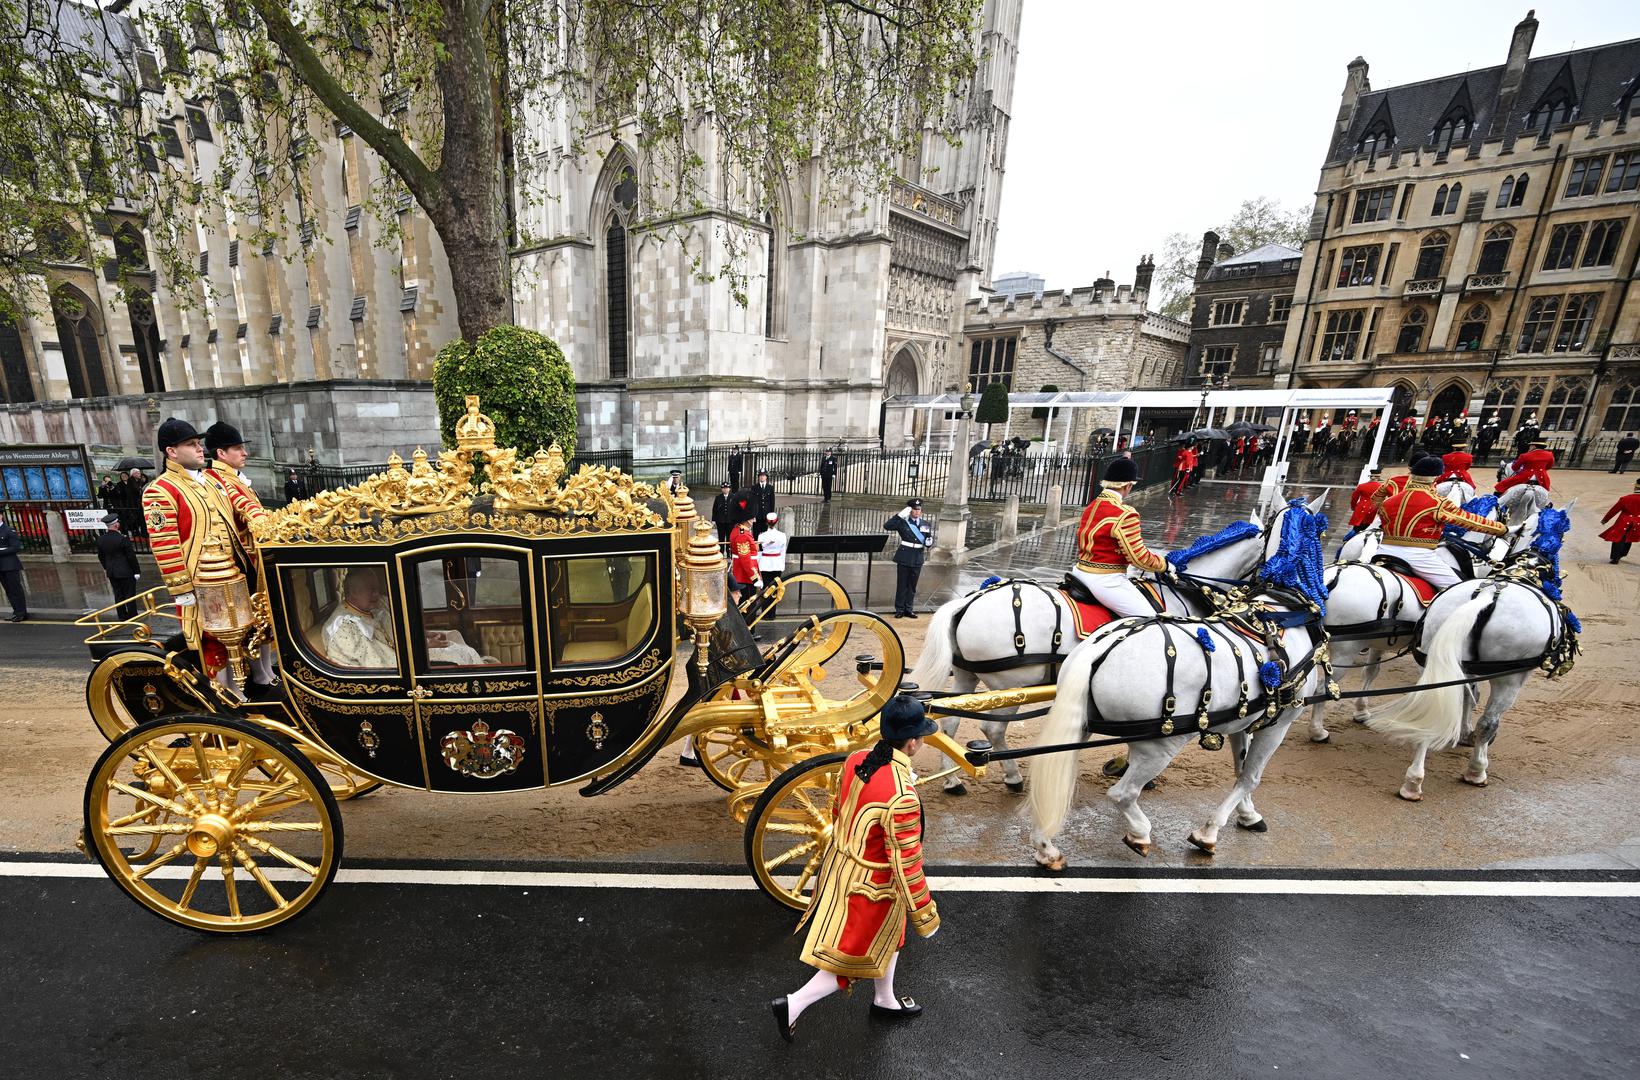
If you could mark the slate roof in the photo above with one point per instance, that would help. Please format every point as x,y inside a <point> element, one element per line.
<point>1603,75</point>
<point>80,27</point>
<point>1264,253</point>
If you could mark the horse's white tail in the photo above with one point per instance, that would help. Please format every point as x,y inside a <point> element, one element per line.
<point>934,664</point>
<point>1433,719</point>
<point>1053,776</point>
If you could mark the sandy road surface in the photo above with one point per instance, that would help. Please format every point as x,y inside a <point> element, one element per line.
<point>1564,770</point>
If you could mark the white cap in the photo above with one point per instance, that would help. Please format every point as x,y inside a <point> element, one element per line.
<point>772,516</point>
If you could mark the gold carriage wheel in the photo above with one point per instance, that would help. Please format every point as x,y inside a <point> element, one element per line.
<point>734,757</point>
<point>109,713</point>
<point>790,828</point>
<point>249,832</point>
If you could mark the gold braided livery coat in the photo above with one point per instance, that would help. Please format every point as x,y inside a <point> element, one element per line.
<point>872,875</point>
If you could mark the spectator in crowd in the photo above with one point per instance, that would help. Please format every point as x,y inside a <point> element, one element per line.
<point>119,562</point>
<point>1626,446</point>
<point>293,486</point>
<point>11,571</point>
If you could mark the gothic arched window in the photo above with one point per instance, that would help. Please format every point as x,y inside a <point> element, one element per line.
<point>15,385</point>
<point>82,355</point>
<point>1495,250</point>
<point>1412,331</point>
<point>1431,256</point>
<point>1472,331</point>
<point>623,200</point>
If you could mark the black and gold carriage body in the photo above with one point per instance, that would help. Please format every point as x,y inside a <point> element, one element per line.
<point>560,655</point>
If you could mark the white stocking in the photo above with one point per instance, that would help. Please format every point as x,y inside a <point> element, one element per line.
<point>262,666</point>
<point>884,996</point>
<point>823,985</point>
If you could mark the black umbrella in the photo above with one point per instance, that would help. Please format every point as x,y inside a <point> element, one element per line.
<point>1104,431</point>
<point>1262,427</point>
<point>129,463</point>
<point>1206,433</point>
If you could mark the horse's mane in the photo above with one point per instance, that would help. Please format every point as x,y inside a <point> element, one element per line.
<point>1233,533</point>
<point>1297,563</point>
<point>1480,506</point>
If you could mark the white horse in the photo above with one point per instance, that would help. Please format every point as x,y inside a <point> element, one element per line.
<point>1131,674</point>
<point>1455,491</point>
<point>1497,624</point>
<point>984,646</point>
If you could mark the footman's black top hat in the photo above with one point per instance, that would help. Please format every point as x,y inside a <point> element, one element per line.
<point>221,435</point>
<point>905,718</point>
<point>1428,466</point>
<point>1122,471</point>
<point>175,432</point>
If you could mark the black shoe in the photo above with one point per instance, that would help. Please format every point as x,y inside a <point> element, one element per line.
<point>911,614</point>
<point>688,762</point>
<point>782,1018</point>
<point>906,1011</point>
<point>21,616</point>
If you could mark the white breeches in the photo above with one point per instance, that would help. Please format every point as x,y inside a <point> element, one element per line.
<point>1117,592</point>
<point>1431,564</point>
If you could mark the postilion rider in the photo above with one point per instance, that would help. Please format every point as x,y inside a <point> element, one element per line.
<point>1455,464</point>
<point>1414,518</point>
<point>193,524</point>
<point>1363,507</point>
<point>1533,465</point>
<point>871,878</point>
<point>1108,542</point>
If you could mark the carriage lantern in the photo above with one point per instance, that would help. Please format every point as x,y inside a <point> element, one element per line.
<point>224,603</point>
<point>705,590</point>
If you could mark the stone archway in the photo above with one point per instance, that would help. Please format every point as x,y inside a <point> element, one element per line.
<point>1451,401</point>
<point>901,378</point>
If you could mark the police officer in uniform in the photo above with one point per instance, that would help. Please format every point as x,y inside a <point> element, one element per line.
<point>1108,543</point>
<point>828,473</point>
<point>909,556</point>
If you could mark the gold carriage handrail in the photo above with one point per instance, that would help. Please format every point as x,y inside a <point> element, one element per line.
<point>140,630</point>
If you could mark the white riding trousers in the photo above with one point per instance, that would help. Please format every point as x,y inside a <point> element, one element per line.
<point>1117,592</point>
<point>1431,564</point>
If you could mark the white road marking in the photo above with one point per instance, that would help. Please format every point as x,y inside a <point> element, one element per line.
<point>739,882</point>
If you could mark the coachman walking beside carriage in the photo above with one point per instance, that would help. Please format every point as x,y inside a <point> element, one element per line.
<point>872,876</point>
<point>1414,520</point>
<point>1108,541</point>
<point>1625,531</point>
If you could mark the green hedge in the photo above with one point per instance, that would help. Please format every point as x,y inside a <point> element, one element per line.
<point>523,382</point>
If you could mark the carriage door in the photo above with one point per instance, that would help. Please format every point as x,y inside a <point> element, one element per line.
<point>471,637</point>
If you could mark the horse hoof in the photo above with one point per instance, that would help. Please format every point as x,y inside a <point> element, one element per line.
<point>1258,826</point>
<point>1053,865</point>
<point>1473,781</point>
<point>1116,766</point>
<point>1017,788</point>
<point>1325,736</point>
<point>957,789</point>
<point>1143,849</point>
<point>1467,740</point>
<point>1207,846</point>
<point>1410,793</point>
<point>1359,718</point>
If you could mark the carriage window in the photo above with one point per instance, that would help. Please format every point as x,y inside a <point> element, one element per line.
<point>472,611</point>
<point>343,615</point>
<point>603,607</point>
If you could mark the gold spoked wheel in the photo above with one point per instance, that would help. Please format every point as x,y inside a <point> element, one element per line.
<point>734,757</point>
<point>790,828</point>
<point>213,823</point>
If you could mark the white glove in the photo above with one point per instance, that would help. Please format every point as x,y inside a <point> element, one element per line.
<point>904,514</point>
<point>185,600</point>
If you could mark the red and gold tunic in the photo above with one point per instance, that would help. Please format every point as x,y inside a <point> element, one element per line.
<point>1457,467</point>
<point>743,550</point>
<point>241,497</point>
<point>1363,508</point>
<point>1532,465</point>
<point>872,876</point>
<point>180,512</point>
<point>1415,516</point>
<point>1626,529</point>
<point>1108,541</point>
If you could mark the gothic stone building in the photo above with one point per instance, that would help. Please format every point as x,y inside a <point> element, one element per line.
<point>1239,313</point>
<point>845,301</point>
<point>311,341</point>
<point>1474,243</point>
<point>1101,337</point>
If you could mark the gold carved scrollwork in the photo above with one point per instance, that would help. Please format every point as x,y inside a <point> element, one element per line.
<point>530,708</point>
<point>310,705</point>
<point>307,675</point>
<point>429,496</point>
<point>637,670</point>
<point>554,705</point>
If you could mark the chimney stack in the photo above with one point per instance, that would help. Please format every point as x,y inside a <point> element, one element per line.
<point>1225,251</point>
<point>1356,83</point>
<point>1514,72</point>
<point>1142,274</point>
<point>1210,246</point>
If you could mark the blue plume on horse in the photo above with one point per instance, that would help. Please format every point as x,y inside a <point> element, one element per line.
<point>1573,622</point>
<point>1205,638</point>
<point>1297,563</point>
<point>1552,525</point>
<point>1480,506</point>
<point>992,580</point>
<point>1233,533</point>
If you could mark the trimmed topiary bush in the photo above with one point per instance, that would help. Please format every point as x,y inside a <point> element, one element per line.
<point>523,382</point>
<point>1042,413</point>
<point>993,405</point>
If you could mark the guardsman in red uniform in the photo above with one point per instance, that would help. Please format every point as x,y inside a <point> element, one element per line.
<point>1363,508</point>
<point>1456,464</point>
<point>743,573</point>
<point>871,879</point>
<point>1626,529</point>
<point>1532,465</point>
<point>1108,541</point>
<point>1184,461</point>
<point>225,456</point>
<point>1414,518</point>
<point>1351,422</point>
<point>190,521</point>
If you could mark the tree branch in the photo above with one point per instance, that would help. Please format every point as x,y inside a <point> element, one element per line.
<point>423,182</point>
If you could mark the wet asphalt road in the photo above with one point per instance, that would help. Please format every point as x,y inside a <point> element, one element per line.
<point>447,981</point>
